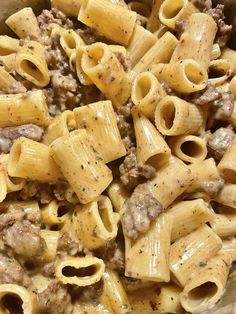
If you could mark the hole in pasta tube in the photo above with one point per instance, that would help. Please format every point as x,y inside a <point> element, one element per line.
<point>63,210</point>
<point>103,212</point>
<point>69,40</point>
<point>142,87</point>
<point>157,160</point>
<point>95,54</point>
<point>201,293</point>
<point>194,73</point>
<point>191,149</point>
<point>69,271</point>
<point>14,157</point>
<point>31,69</point>
<point>172,8</point>
<point>12,303</point>
<point>167,115</point>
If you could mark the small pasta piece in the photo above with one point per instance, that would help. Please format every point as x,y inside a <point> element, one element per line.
<point>161,51</point>
<point>31,63</point>
<point>188,216</point>
<point>224,225</point>
<point>61,125</point>
<point>17,299</point>
<point>230,56</point>
<point>100,121</point>
<point>9,62</point>
<point>216,52</point>
<point>95,223</point>
<point>24,23</point>
<point>105,17</point>
<point>78,150</point>
<point>172,180</point>
<point>147,257</point>
<point>118,195</point>
<point>227,195</point>
<point>189,252</point>
<point>169,299</point>
<point>175,116</point>
<point>196,42</point>
<point>146,93</point>
<point>32,161</point>
<point>172,10</point>
<point>141,41</point>
<point>227,165</point>
<point>26,108</point>
<point>104,69</point>
<point>55,213</point>
<point>80,271</point>
<point>70,41</point>
<point>151,147</point>
<point>8,45</point>
<point>189,148</point>
<point>186,76</point>
<point>70,8</point>
<point>3,185</point>
<point>232,88</point>
<point>51,239</point>
<point>7,82</point>
<point>219,71</point>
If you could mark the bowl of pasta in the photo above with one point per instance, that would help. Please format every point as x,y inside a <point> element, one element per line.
<point>117,157</point>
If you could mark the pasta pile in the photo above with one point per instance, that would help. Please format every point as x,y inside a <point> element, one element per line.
<point>118,158</point>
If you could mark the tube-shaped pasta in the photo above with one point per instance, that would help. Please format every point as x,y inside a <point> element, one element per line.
<point>232,88</point>
<point>229,55</point>
<point>169,299</point>
<point>189,252</point>
<point>227,165</point>
<point>51,238</point>
<point>161,51</point>
<point>99,120</point>
<point>203,290</point>
<point>95,223</point>
<point>216,52</point>
<point>224,225</point>
<point>219,71</point>
<point>9,61</point>
<point>146,93</point>
<point>227,195</point>
<point>189,148</point>
<point>118,195</point>
<point>104,69</point>
<point>3,185</point>
<point>26,108</point>
<point>141,41</point>
<point>70,41</point>
<point>24,23</point>
<point>80,271</point>
<point>172,10</point>
<point>151,147</point>
<point>154,23</point>
<point>8,45</point>
<point>17,299</point>
<point>7,82</point>
<point>188,216</point>
<point>185,76</point>
<point>175,116</point>
<point>70,7</point>
<point>98,14</point>
<point>55,213</point>
<point>31,64</point>
<point>61,125</point>
<point>78,150</point>
<point>76,59</point>
<point>197,40</point>
<point>147,257</point>
<point>32,161</point>
<point>172,180</point>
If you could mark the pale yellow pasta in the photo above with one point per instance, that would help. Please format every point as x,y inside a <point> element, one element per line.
<point>227,195</point>
<point>216,51</point>
<point>232,88</point>
<point>7,81</point>
<point>161,51</point>
<point>25,301</point>
<point>105,17</point>
<point>175,116</point>
<point>26,108</point>
<point>232,118</point>
<point>118,195</point>
<point>188,216</point>
<point>221,70</point>
<point>3,185</point>
<point>153,21</point>
<point>71,196</point>
<point>9,62</point>
<point>196,42</point>
<point>186,76</point>
<point>151,146</point>
<point>32,161</point>
<point>189,252</point>
<point>118,49</point>
<point>70,41</point>
<point>148,257</point>
<point>230,56</point>
<point>51,239</point>
<point>207,286</point>
<point>68,270</point>
<point>146,93</point>
<point>40,282</point>
<point>102,66</point>
<point>172,180</point>
<point>55,213</point>
<point>172,10</point>
<point>169,299</point>
<point>227,165</point>
<point>89,309</point>
<point>141,41</point>
<point>77,150</point>
<point>61,125</point>
<point>224,224</point>
<point>31,63</point>
<point>70,7</point>
<point>8,45</point>
<point>24,23</point>
<point>100,121</point>
<point>189,148</point>
<point>95,223</point>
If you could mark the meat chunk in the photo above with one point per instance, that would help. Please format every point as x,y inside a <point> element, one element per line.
<point>14,214</point>
<point>206,96</point>
<point>24,239</point>
<point>180,26</point>
<point>41,191</point>
<point>140,210</point>
<point>219,141</point>
<point>66,244</point>
<point>223,107</point>
<point>90,36</point>
<point>53,16</point>
<point>10,134</point>
<point>124,61</point>
<point>224,31</point>
<point>132,173</point>
<point>55,299</point>
<point>202,4</point>
<point>11,272</point>
<point>212,187</point>
<point>15,88</point>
